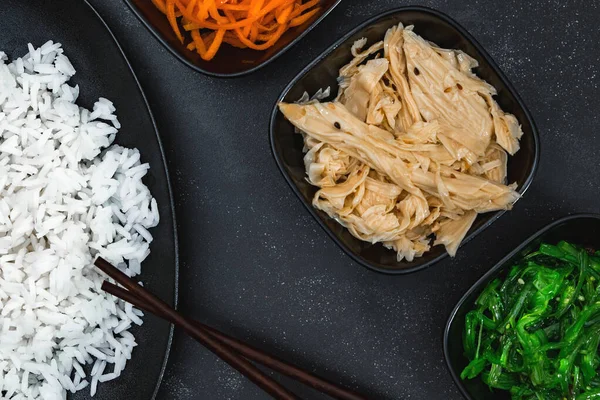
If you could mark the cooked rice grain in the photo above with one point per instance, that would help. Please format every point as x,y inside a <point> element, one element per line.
<point>66,195</point>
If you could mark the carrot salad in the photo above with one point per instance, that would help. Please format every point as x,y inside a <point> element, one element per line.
<point>254,24</point>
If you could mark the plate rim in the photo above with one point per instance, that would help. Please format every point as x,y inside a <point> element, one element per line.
<point>169,191</point>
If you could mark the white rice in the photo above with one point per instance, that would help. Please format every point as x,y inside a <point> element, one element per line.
<point>66,196</point>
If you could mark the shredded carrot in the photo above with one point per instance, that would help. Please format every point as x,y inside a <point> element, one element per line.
<point>203,9</point>
<point>173,19</point>
<point>255,7</point>
<point>216,43</point>
<point>254,24</point>
<point>235,7</point>
<point>308,5</point>
<point>253,32</point>
<point>284,15</point>
<point>191,5</point>
<point>303,18</point>
<point>199,42</point>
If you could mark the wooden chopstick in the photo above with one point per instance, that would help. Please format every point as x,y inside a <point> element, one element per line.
<point>248,351</point>
<point>241,364</point>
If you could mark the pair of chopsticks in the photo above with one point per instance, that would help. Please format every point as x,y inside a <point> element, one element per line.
<point>234,352</point>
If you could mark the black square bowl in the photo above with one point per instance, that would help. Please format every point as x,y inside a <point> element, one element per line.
<point>322,73</point>
<point>582,230</point>
<point>230,61</point>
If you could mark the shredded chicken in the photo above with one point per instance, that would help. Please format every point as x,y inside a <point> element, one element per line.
<point>414,145</point>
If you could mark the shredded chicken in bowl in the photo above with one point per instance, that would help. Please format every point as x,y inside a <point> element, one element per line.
<point>414,145</point>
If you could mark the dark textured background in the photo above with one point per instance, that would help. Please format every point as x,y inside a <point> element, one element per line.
<point>255,264</point>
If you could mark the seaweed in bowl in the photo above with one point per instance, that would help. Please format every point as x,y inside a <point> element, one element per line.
<point>314,120</point>
<point>540,337</point>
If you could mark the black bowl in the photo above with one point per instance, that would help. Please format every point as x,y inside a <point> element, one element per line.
<point>583,230</point>
<point>229,61</point>
<point>322,72</point>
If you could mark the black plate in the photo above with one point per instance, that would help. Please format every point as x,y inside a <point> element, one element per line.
<point>103,70</point>
<point>321,73</point>
<point>229,61</point>
<point>583,230</point>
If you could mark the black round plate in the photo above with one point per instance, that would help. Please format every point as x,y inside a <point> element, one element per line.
<point>103,71</point>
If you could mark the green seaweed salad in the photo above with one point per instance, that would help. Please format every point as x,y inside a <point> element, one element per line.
<point>535,332</point>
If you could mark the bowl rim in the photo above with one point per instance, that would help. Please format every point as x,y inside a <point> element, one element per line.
<point>484,54</point>
<point>196,68</point>
<point>485,278</point>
